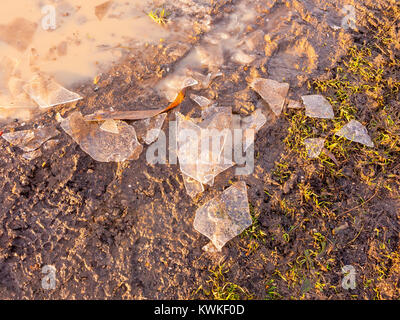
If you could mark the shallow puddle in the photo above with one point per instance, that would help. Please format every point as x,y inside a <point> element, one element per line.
<point>70,41</point>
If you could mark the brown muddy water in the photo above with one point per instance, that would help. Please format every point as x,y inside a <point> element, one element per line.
<point>125,230</point>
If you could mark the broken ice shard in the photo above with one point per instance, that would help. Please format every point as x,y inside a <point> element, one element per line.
<point>32,155</point>
<point>272,92</point>
<point>225,216</point>
<point>192,186</point>
<point>201,144</point>
<point>293,104</point>
<point>110,126</point>
<point>201,101</point>
<point>243,58</point>
<point>250,126</point>
<point>103,146</point>
<point>172,85</point>
<point>48,93</point>
<point>355,131</point>
<point>30,140</point>
<point>314,146</point>
<point>318,107</point>
<point>148,130</point>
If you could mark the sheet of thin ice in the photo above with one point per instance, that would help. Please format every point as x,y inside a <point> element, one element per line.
<point>272,92</point>
<point>314,147</point>
<point>30,140</point>
<point>201,145</point>
<point>101,145</point>
<point>224,217</point>
<point>48,93</point>
<point>148,130</point>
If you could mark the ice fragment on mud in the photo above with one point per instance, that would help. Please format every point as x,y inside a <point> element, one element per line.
<point>356,132</point>
<point>273,92</point>
<point>243,58</point>
<point>32,155</point>
<point>314,146</point>
<point>201,101</point>
<point>101,145</point>
<point>224,217</point>
<point>110,126</point>
<point>250,126</point>
<point>48,93</point>
<point>293,104</point>
<point>192,186</point>
<point>201,144</point>
<point>30,140</point>
<point>318,107</point>
<point>148,130</point>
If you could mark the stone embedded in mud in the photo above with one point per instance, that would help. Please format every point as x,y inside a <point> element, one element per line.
<point>101,145</point>
<point>318,107</point>
<point>48,93</point>
<point>148,130</point>
<point>30,140</point>
<point>356,132</point>
<point>200,100</point>
<point>224,217</point>
<point>314,147</point>
<point>273,92</point>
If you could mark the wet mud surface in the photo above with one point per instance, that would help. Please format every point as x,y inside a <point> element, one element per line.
<point>125,230</point>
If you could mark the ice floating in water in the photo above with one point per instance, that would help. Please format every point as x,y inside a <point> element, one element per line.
<point>273,92</point>
<point>355,131</point>
<point>103,146</point>
<point>30,140</point>
<point>318,107</point>
<point>48,93</point>
<point>201,101</point>
<point>148,130</point>
<point>224,217</point>
<point>314,146</point>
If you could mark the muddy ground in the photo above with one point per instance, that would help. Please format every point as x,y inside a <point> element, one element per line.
<point>125,230</point>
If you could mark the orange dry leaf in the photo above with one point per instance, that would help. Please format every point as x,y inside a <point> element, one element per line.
<point>134,115</point>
